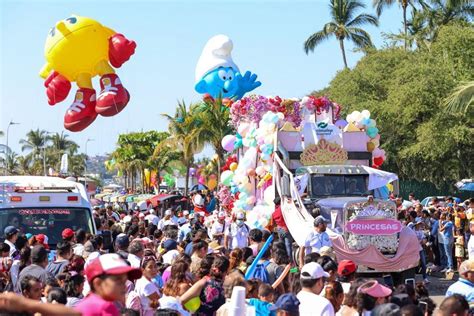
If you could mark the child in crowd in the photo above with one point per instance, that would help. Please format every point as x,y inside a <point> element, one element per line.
<point>264,302</point>
<point>459,246</point>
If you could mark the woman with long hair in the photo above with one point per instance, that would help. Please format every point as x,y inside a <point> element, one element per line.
<point>179,281</point>
<point>73,285</point>
<point>147,291</point>
<point>235,259</point>
<point>335,294</point>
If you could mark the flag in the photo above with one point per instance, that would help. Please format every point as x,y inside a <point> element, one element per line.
<point>301,182</point>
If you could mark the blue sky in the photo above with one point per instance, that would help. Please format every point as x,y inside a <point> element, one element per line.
<point>268,40</point>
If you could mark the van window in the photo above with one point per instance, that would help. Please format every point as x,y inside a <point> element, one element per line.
<point>50,221</point>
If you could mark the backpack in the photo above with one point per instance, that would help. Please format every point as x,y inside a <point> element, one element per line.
<point>260,272</point>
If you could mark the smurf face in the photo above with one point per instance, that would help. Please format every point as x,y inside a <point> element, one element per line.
<point>219,82</point>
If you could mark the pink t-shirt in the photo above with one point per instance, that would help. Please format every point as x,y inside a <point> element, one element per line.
<point>94,305</point>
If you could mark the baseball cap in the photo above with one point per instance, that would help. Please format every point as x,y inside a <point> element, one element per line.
<point>67,233</point>
<point>287,302</point>
<point>43,240</point>
<point>374,289</point>
<point>346,267</point>
<point>111,264</point>
<point>240,215</point>
<point>320,220</point>
<point>466,266</point>
<point>313,270</point>
<point>170,244</point>
<point>10,230</point>
<point>185,213</point>
<point>122,240</point>
<point>221,214</point>
<point>167,212</point>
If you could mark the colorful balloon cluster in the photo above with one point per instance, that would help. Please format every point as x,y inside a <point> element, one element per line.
<point>362,121</point>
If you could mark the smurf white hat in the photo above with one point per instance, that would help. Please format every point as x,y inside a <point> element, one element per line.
<point>216,53</point>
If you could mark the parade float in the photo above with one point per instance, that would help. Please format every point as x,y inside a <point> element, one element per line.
<point>317,162</point>
<point>76,50</point>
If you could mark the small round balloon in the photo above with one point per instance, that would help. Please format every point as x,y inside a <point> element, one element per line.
<point>228,143</point>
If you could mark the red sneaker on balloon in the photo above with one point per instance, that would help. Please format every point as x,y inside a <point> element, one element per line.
<point>113,96</point>
<point>82,111</point>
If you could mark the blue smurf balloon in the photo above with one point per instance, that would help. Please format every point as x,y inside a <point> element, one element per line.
<point>218,75</point>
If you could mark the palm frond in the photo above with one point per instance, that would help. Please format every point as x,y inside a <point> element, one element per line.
<point>461,98</point>
<point>314,40</point>
<point>363,19</point>
<point>360,38</point>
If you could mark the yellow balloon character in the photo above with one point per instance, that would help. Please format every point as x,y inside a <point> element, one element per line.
<point>76,50</point>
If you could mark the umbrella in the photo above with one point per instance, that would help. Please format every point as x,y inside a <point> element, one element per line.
<point>199,187</point>
<point>465,185</point>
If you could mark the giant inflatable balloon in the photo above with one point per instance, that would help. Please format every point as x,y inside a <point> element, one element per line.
<point>76,50</point>
<point>218,75</point>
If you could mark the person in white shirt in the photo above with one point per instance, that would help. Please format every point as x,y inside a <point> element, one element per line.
<point>184,228</point>
<point>237,233</point>
<point>316,239</point>
<point>152,218</point>
<point>11,235</point>
<point>135,253</point>
<point>167,220</point>
<point>218,227</point>
<point>145,288</point>
<point>312,283</point>
<point>470,244</point>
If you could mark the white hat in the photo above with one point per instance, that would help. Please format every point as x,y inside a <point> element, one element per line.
<point>314,270</point>
<point>240,215</point>
<point>127,219</point>
<point>221,215</point>
<point>167,212</point>
<point>198,200</point>
<point>185,213</point>
<point>216,53</point>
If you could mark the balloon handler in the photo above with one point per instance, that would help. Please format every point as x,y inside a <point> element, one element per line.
<point>76,50</point>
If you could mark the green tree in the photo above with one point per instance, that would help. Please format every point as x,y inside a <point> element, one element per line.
<point>35,142</point>
<point>344,25</point>
<point>405,93</point>
<point>216,125</point>
<point>10,161</point>
<point>462,98</point>
<point>185,128</point>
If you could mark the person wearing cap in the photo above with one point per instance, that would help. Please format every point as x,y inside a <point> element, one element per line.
<point>185,228</point>
<point>465,284</point>
<point>39,261</point>
<point>11,235</point>
<point>63,254</point>
<point>170,247</point>
<point>346,271</point>
<point>68,235</point>
<point>198,202</point>
<point>371,294</point>
<point>316,239</point>
<point>152,218</point>
<point>107,276</point>
<point>286,305</point>
<point>218,228</point>
<point>121,245</point>
<point>312,283</point>
<point>167,220</point>
<point>237,233</point>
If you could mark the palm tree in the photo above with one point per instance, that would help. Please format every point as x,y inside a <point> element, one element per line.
<point>185,129</point>
<point>25,165</point>
<point>380,5</point>
<point>35,141</point>
<point>344,26</point>
<point>442,12</point>
<point>461,98</point>
<point>216,118</point>
<point>11,160</point>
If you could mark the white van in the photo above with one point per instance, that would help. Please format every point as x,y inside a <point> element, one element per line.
<point>44,205</point>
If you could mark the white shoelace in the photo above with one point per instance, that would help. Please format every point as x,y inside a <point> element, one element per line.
<point>108,90</point>
<point>77,107</point>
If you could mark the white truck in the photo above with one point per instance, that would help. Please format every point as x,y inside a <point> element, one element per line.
<point>44,205</point>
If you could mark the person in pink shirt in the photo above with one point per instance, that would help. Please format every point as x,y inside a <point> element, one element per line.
<point>107,276</point>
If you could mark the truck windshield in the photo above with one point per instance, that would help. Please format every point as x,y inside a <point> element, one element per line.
<point>50,221</point>
<point>339,185</point>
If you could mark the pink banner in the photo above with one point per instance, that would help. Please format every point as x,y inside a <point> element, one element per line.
<point>374,226</point>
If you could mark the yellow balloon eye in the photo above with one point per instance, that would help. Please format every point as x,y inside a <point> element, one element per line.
<point>71,20</point>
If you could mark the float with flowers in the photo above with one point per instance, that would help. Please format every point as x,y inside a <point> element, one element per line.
<point>318,163</point>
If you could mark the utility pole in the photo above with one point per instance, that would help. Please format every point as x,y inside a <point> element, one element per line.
<point>85,164</point>
<point>6,150</point>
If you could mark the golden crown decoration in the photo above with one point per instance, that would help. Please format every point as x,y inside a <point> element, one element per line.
<point>323,153</point>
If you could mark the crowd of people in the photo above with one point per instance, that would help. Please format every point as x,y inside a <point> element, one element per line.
<point>178,262</point>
